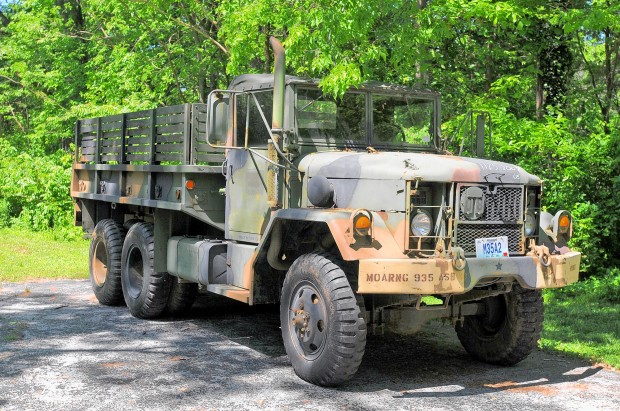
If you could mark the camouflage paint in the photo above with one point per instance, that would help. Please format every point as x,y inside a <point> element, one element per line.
<point>411,166</point>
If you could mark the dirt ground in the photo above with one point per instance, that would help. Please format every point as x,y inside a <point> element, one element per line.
<point>61,350</point>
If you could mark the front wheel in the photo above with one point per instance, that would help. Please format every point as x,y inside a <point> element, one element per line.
<point>323,327</point>
<point>509,329</point>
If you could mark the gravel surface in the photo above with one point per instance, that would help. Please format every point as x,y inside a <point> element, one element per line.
<point>61,350</point>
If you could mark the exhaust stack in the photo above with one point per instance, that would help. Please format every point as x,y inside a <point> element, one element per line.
<point>277,121</point>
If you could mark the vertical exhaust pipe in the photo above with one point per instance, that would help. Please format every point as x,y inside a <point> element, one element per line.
<point>279,69</point>
<point>277,121</point>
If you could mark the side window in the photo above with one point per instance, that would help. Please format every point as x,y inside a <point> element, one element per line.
<point>258,133</point>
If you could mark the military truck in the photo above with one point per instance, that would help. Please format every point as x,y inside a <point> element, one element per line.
<point>347,212</point>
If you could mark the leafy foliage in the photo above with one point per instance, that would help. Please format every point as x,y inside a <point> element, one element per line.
<point>547,72</point>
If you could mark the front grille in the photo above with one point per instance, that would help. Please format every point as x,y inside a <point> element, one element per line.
<point>504,204</point>
<point>502,216</point>
<point>466,235</point>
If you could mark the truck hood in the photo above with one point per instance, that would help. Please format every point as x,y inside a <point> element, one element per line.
<point>410,166</point>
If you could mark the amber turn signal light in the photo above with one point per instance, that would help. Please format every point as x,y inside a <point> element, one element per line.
<point>564,223</point>
<point>362,222</point>
<point>189,184</point>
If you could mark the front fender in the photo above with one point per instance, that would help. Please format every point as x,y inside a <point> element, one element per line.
<point>384,245</point>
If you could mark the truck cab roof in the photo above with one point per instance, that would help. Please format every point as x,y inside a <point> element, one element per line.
<point>249,82</point>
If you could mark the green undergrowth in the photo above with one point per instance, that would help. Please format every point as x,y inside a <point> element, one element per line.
<point>27,255</point>
<point>583,319</point>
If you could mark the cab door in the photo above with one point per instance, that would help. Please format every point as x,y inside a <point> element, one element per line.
<point>247,207</point>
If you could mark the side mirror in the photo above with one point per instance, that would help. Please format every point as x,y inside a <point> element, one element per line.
<point>217,121</point>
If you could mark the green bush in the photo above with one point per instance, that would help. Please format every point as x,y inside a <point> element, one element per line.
<point>34,190</point>
<point>604,288</point>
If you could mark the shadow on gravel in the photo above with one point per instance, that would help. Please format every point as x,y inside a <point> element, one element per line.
<point>429,364</point>
<point>203,346</point>
<point>433,364</point>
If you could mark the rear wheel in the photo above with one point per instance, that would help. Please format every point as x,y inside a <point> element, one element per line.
<point>509,329</point>
<point>323,327</point>
<point>145,290</point>
<point>181,298</point>
<point>105,262</point>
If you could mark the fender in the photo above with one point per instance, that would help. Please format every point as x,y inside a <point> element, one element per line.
<point>338,222</point>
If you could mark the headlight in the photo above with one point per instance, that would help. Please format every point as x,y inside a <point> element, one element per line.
<point>530,223</point>
<point>421,223</point>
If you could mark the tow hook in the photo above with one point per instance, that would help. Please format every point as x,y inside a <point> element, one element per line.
<point>458,258</point>
<point>543,255</point>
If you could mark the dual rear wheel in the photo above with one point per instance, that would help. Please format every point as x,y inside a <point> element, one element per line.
<point>122,270</point>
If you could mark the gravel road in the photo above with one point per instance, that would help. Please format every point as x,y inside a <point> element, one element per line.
<point>61,350</point>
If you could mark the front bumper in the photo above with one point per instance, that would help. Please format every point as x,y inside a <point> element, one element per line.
<point>438,275</point>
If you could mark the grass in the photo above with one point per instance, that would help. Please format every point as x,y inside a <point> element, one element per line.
<point>581,320</point>
<point>26,255</point>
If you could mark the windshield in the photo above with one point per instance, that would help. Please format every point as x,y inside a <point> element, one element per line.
<point>402,120</point>
<point>322,118</point>
<point>395,120</point>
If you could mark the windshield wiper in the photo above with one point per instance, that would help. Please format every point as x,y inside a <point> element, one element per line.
<point>311,102</point>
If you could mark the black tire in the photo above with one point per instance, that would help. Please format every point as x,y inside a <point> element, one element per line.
<point>330,348</point>
<point>508,331</point>
<point>181,298</point>
<point>145,291</point>
<point>105,262</point>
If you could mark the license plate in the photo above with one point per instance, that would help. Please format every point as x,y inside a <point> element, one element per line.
<point>492,247</point>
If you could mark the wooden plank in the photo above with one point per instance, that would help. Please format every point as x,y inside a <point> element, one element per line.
<point>153,136</point>
<point>187,138</point>
<point>137,149</point>
<point>169,148</point>
<point>138,114</point>
<point>169,157</point>
<point>112,134</point>
<point>162,111</point>
<point>98,141</point>
<point>111,126</point>
<point>89,150</point>
<point>89,121</point>
<point>88,143</point>
<point>204,147</point>
<point>112,119</point>
<point>170,138</point>
<point>171,119</point>
<point>140,123</point>
<point>109,157</point>
<point>123,160</point>
<point>88,136</point>
<point>171,129</point>
<point>76,141</point>
<point>138,132</point>
<point>138,157</point>
<point>111,142</point>
<point>138,140</point>
<point>209,158</point>
<point>111,149</point>
<point>88,128</point>
<point>87,158</point>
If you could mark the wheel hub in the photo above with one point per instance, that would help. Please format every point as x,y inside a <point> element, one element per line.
<point>308,320</point>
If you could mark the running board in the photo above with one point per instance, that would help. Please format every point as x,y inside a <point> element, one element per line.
<point>230,291</point>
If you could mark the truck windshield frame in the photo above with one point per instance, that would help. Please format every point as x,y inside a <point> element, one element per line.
<point>395,121</point>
